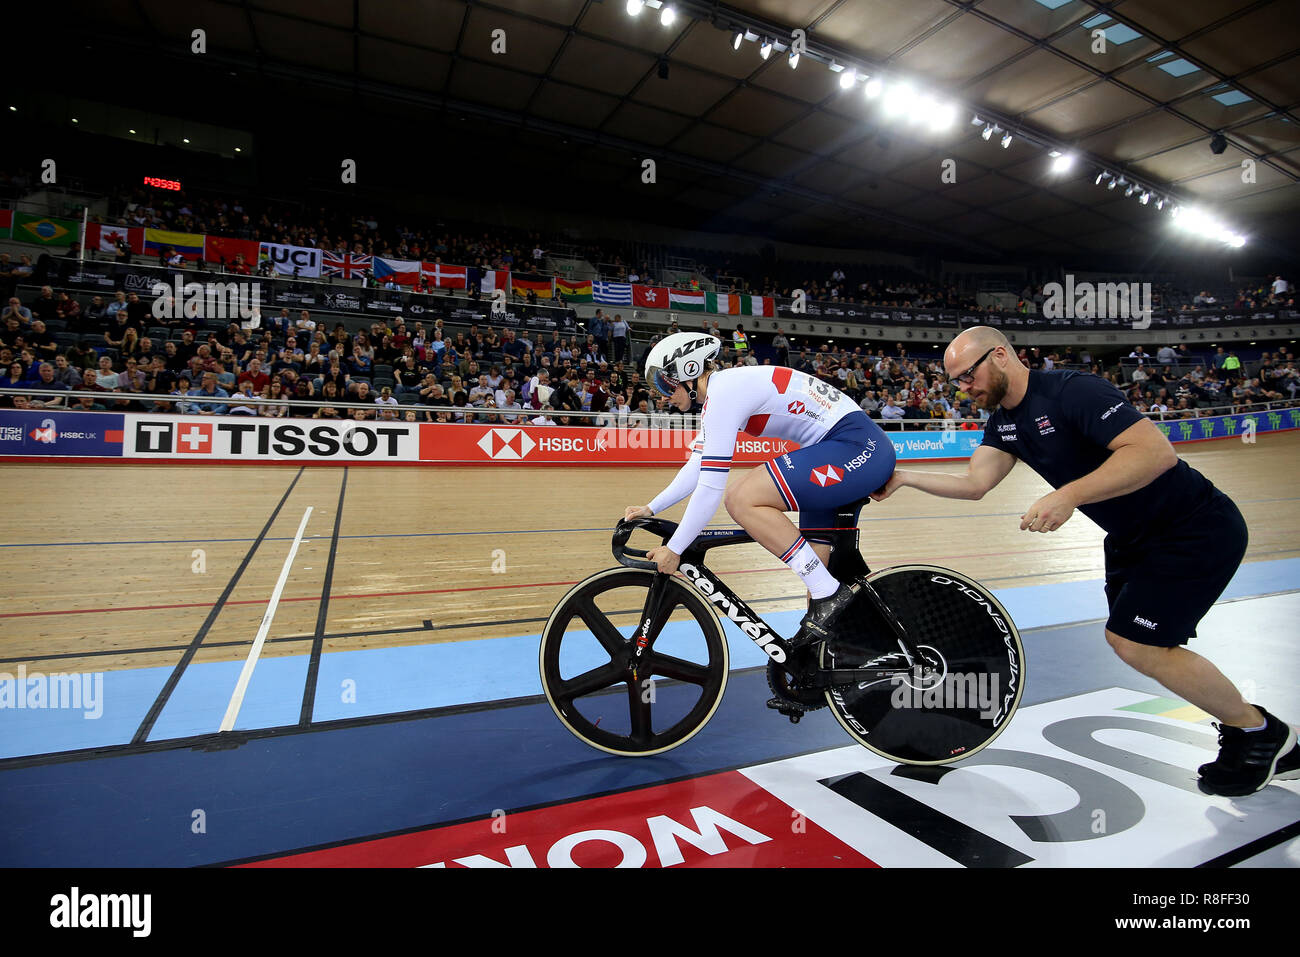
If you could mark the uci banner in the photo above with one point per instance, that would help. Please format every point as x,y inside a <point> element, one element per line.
<point>301,261</point>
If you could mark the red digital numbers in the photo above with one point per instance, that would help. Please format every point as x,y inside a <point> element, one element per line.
<point>157,183</point>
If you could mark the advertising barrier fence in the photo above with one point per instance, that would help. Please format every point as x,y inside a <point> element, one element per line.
<point>235,439</point>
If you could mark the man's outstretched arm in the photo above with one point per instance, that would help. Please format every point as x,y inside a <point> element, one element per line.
<point>987,467</point>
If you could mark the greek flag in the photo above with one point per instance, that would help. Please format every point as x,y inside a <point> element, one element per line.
<point>612,293</point>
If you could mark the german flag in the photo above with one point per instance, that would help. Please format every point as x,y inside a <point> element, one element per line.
<point>522,285</point>
<point>573,291</point>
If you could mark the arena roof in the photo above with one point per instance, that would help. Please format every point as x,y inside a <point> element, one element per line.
<point>755,144</point>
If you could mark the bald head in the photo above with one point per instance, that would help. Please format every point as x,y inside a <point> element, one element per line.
<point>997,374</point>
<point>970,344</point>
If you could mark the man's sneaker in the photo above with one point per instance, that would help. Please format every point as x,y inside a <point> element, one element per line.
<point>818,624</point>
<point>1247,760</point>
<point>1288,766</point>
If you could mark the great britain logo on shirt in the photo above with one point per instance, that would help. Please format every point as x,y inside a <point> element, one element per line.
<point>1045,426</point>
<point>1007,432</point>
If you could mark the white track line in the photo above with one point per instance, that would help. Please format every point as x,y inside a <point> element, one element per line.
<point>237,699</point>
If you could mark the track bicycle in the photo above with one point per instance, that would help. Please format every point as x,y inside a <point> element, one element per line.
<point>927,667</point>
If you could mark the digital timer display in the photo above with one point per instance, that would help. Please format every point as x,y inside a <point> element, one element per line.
<point>157,183</point>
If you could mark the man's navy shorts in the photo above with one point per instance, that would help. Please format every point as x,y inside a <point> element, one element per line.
<point>1159,586</point>
<point>853,460</point>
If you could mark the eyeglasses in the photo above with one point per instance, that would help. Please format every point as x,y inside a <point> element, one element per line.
<point>968,376</point>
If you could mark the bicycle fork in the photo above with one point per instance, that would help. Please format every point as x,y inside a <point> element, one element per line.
<point>653,618</point>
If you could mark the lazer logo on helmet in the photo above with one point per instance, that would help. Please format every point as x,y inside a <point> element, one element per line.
<point>688,347</point>
<point>756,630</point>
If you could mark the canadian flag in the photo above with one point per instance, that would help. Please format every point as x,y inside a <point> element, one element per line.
<point>827,475</point>
<point>104,238</point>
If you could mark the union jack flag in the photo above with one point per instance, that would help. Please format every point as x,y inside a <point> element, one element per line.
<point>346,266</point>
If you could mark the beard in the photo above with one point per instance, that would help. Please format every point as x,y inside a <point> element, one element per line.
<point>992,397</point>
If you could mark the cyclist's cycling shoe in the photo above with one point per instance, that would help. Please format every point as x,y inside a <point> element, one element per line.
<point>818,624</point>
<point>1248,760</point>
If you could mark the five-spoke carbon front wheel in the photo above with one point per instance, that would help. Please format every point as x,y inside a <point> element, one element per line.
<point>610,697</point>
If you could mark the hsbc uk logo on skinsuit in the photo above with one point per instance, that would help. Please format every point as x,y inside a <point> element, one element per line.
<point>795,408</point>
<point>506,443</point>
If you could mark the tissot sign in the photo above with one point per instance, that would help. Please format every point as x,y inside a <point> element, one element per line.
<point>303,440</point>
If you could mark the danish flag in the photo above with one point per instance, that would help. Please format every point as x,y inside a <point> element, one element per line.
<point>827,475</point>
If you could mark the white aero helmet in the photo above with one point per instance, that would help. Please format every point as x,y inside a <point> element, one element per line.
<point>679,358</point>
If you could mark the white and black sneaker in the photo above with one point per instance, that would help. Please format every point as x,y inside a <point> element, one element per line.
<point>1248,760</point>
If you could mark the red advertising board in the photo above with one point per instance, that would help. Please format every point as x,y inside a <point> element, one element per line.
<point>576,445</point>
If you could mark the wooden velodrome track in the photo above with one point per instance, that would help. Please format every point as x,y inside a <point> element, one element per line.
<point>120,566</point>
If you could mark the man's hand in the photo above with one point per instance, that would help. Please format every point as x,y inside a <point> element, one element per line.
<point>1049,513</point>
<point>889,488</point>
<point>636,511</point>
<point>665,558</point>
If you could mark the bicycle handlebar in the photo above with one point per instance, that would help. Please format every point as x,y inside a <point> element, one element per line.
<point>635,557</point>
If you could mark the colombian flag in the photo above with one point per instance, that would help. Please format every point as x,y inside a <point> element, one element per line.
<point>574,291</point>
<point>45,230</point>
<point>189,245</point>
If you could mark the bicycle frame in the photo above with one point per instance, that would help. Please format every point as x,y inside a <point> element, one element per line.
<point>846,564</point>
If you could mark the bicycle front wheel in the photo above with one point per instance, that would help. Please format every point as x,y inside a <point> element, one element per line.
<point>964,692</point>
<point>614,700</point>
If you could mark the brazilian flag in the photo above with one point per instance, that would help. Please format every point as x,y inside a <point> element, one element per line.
<point>45,230</point>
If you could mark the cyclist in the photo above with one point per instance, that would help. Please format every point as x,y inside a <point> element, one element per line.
<point>842,457</point>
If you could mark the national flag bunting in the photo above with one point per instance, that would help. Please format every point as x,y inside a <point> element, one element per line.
<point>687,300</point>
<point>612,293</point>
<point>104,238</point>
<point>445,276</point>
<point>650,297</point>
<point>6,220</point>
<point>189,245</point>
<point>522,285</point>
<point>722,303</point>
<point>45,230</point>
<point>574,291</point>
<point>494,279</point>
<point>346,266</point>
<point>218,249</point>
<point>404,272</point>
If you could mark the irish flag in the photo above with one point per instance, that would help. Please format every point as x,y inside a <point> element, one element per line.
<point>722,303</point>
<point>757,306</point>
<point>687,300</point>
<point>574,291</point>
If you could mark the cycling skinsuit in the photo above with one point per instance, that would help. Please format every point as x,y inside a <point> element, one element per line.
<point>842,457</point>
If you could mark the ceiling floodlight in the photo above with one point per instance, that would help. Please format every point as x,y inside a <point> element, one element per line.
<point>1131,190</point>
<point>1006,141</point>
<point>871,89</point>
<point>667,15</point>
<point>1144,198</point>
<point>794,59</point>
<point>634,7</point>
<point>976,121</point>
<point>1062,162</point>
<point>765,50</point>
<point>847,79</point>
<point>736,39</point>
<point>1100,176</point>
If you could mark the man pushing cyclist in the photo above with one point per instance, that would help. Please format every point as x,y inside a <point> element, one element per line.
<point>1173,540</point>
<point>842,457</point>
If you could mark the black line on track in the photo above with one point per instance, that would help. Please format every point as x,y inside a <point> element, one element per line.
<point>1257,846</point>
<point>313,665</point>
<point>142,733</point>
